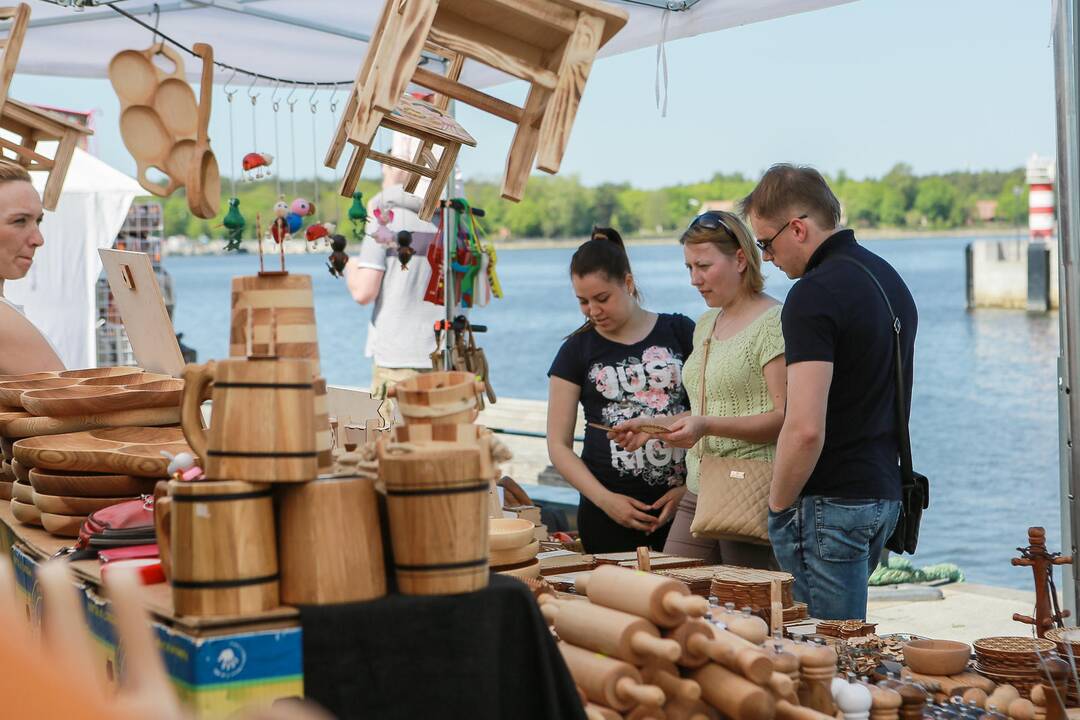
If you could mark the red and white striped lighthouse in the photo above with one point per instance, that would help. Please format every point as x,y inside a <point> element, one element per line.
<point>1040,179</point>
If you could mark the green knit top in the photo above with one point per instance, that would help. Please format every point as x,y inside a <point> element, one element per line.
<point>734,384</point>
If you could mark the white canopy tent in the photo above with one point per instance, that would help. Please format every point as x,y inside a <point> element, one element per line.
<point>58,292</point>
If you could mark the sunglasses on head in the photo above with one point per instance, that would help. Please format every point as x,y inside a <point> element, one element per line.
<point>713,221</point>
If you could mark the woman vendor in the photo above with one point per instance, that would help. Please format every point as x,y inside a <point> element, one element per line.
<point>23,349</point>
<point>623,362</point>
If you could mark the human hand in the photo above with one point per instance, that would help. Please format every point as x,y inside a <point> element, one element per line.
<point>686,431</point>
<point>628,512</point>
<point>633,434</point>
<point>668,504</point>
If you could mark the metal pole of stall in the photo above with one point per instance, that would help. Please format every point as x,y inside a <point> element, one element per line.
<point>1066,75</point>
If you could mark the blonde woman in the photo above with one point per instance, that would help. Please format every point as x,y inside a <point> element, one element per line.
<point>745,381</point>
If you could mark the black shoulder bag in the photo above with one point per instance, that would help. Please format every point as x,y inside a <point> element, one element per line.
<point>915,489</point>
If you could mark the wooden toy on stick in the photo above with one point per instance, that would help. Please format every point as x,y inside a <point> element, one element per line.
<point>618,634</point>
<point>608,681</point>
<point>662,600</point>
<point>700,643</point>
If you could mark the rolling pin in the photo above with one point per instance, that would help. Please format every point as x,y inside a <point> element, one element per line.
<point>785,662</point>
<point>665,676</point>
<point>782,687</point>
<point>618,634</point>
<point>747,626</point>
<point>689,710</point>
<point>1001,697</point>
<point>646,712</point>
<point>599,712</point>
<point>607,681</point>
<point>701,642</point>
<point>734,696</point>
<point>1022,709</point>
<point>948,683</point>
<point>662,600</point>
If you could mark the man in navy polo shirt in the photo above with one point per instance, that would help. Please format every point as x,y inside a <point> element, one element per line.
<point>835,493</point>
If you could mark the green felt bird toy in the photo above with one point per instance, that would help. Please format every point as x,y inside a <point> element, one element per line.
<point>234,224</point>
<point>358,215</point>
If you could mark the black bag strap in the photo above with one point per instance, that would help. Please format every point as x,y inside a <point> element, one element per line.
<point>906,474</point>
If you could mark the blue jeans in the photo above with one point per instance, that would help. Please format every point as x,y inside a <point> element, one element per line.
<point>831,545</point>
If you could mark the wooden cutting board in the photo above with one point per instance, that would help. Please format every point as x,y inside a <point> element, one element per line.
<point>126,450</point>
<point>31,426</point>
<point>83,400</point>
<point>56,483</point>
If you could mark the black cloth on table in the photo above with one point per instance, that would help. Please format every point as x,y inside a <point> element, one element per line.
<point>486,654</point>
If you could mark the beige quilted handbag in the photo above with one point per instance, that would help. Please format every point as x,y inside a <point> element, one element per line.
<point>733,494</point>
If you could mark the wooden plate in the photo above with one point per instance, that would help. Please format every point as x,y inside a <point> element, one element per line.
<point>127,450</point>
<point>25,513</point>
<point>11,391</point>
<point>29,376</point>
<point>126,379</point>
<point>513,556</point>
<point>62,525</point>
<point>85,485</point>
<point>89,400</point>
<point>101,372</point>
<point>34,426</point>
<point>21,472</point>
<point>507,533</point>
<point>22,492</point>
<point>62,505</point>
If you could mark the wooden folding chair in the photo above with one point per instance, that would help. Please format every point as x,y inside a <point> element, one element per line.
<point>550,44</point>
<point>11,45</point>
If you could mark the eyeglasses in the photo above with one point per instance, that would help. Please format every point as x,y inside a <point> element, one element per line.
<point>765,246</point>
<point>713,221</point>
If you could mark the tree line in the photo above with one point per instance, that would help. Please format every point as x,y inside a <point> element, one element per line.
<point>561,206</point>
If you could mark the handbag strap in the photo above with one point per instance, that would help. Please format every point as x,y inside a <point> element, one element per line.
<point>700,448</point>
<point>906,473</point>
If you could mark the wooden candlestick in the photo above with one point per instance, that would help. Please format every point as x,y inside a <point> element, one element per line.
<point>607,681</point>
<point>701,642</point>
<point>1041,562</point>
<point>662,600</point>
<point>818,666</point>
<point>618,634</point>
<point>666,677</point>
<point>733,695</point>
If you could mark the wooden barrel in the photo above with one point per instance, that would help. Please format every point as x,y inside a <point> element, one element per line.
<point>324,441</point>
<point>438,398</point>
<point>329,542</point>
<point>219,547</point>
<point>436,501</point>
<point>262,424</point>
<point>277,314</point>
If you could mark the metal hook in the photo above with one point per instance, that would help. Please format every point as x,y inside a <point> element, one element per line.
<point>225,88</point>
<point>289,99</point>
<point>312,102</point>
<point>333,99</point>
<point>253,96</point>
<point>273,96</point>
<point>156,12</point>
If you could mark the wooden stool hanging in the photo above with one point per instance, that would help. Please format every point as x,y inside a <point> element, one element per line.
<point>434,128</point>
<point>32,125</point>
<point>550,45</point>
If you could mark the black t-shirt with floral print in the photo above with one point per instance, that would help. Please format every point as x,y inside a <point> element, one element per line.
<point>620,382</point>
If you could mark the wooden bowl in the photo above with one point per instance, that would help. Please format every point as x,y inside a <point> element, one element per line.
<point>62,505</point>
<point>6,488</point>
<point>937,657</point>
<point>6,450</point>
<point>25,513</point>
<point>100,372</point>
<point>513,556</point>
<point>21,472</point>
<point>62,525</point>
<point>89,485</point>
<point>22,492</point>
<point>508,533</point>
<point>524,571</point>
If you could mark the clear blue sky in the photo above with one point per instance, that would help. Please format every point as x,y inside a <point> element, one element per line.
<point>939,84</point>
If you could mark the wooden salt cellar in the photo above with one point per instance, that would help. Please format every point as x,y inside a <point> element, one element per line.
<point>662,600</point>
<point>608,681</point>
<point>818,665</point>
<point>329,542</point>
<point>618,634</point>
<point>735,696</point>
<point>886,703</point>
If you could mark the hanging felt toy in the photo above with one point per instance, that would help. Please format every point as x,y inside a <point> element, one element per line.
<point>299,210</point>
<point>383,234</point>
<point>358,215</point>
<point>257,165</point>
<point>279,229</point>
<point>318,230</point>
<point>338,258</point>
<point>405,250</point>
<point>234,224</point>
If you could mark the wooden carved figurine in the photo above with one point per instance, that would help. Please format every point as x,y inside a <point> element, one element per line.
<point>1047,612</point>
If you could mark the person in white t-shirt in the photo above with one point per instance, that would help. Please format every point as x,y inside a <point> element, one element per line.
<point>401,335</point>
<point>23,349</point>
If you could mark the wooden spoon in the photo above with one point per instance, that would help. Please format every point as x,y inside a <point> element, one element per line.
<point>204,179</point>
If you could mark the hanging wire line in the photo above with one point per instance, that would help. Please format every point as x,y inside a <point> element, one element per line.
<point>276,104</point>
<point>232,148</point>
<point>225,66</point>
<point>292,133</point>
<point>314,151</point>
<point>254,99</point>
<point>333,103</point>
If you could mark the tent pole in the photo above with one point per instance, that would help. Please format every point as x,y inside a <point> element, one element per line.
<point>1066,75</point>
